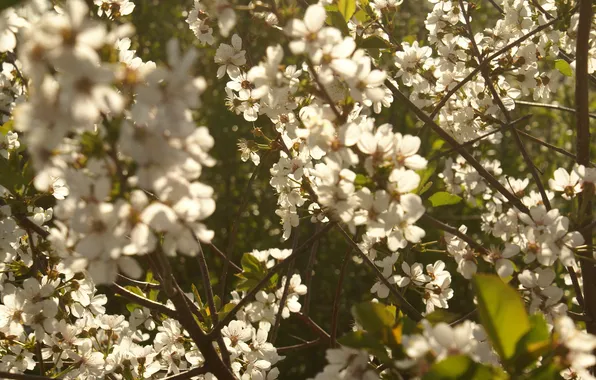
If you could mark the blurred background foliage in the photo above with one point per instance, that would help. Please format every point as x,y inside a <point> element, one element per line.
<point>156,21</point>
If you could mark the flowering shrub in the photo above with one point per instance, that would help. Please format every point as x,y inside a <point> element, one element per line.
<point>106,193</point>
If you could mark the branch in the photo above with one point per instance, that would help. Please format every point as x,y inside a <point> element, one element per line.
<point>457,146</point>
<point>454,231</point>
<point>551,106</point>
<point>584,214</point>
<point>403,303</point>
<point>482,137</point>
<point>284,295</point>
<point>313,326</point>
<point>204,269</point>
<point>22,376</point>
<point>188,374</point>
<point>308,272</point>
<point>141,284</point>
<point>497,98</point>
<point>234,229</point>
<point>149,304</point>
<point>335,312</point>
<point>324,92</point>
<point>213,363</point>
<point>299,346</point>
<point>276,268</point>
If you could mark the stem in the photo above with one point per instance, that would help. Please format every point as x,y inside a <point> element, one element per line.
<point>551,106</point>
<point>234,230</point>
<point>406,307</point>
<point>284,295</point>
<point>335,313</point>
<point>454,231</point>
<point>457,146</point>
<point>308,273</point>
<point>276,268</point>
<point>497,98</point>
<point>152,305</point>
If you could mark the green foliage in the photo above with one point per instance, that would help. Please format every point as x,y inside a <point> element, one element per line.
<point>253,271</point>
<point>563,67</point>
<point>461,367</point>
<point>346,8</point>
<point>502,313</point>
<point>443,198</point>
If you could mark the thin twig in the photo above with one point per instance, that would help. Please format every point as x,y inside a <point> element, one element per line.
<point>234,230</point>
<point>276,268</point>
<point>204,269</point>
<point>550,106</point>
<point>454,231</point>
<point>143,285</point>
<point>403,303</point>
<point>188,374</point>
<point>576,287</point>
<point>487,79</point>
<point>284,295</point>
<point>23,376</point>
<point>225,257</point>
<point>482,137</point>
<point>299,346</point>
<point>308,275</point>
<point>457,146</point>
<point>314,326</point>
<point>324,92</point>
<point>582,100</point>
<point>149,304</point>
<point>338,288</point>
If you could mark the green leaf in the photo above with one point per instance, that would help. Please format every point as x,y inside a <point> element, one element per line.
<point>443,198</point>
<point>502,313</point>
<point>563,67</point>
<point>461,367</point>
<point>373,316</point>
<point>374,42</point>
<point>6,127</point>
<point>346,8</point>
<point>336,20</point>
<point>534,344</point>
<point>364,341</point>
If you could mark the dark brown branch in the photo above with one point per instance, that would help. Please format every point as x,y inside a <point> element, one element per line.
<point>582,99</point>
<point>213,363</point>
<point>204,270</point>
<point>324,92</point>
<point>403,303</point>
